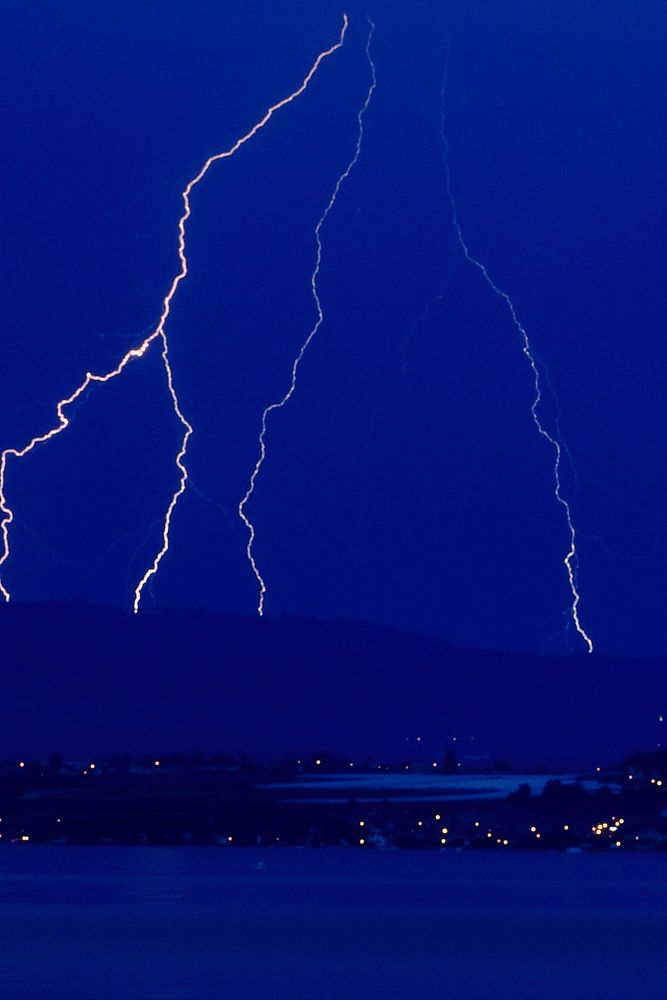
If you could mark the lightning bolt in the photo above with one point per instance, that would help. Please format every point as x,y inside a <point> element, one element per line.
<point>159,333</point>
<point>272,407</point>
<point>570,559</point>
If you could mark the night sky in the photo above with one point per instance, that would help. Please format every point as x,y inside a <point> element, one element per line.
<point>405,482</point>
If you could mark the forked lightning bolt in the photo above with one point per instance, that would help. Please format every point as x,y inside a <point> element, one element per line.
<point>570,559</point>
<point>313,331</point>
<point>6,512</point>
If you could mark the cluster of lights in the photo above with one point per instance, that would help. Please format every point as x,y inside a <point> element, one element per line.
<point>609,829</point>
<point>503,841</point>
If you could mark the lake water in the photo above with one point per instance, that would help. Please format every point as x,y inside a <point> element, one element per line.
<point>416,786</point>
<point>236,924</point>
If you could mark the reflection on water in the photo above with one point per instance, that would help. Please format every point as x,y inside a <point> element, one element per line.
<point>415,786</point>
<point>211,923</point>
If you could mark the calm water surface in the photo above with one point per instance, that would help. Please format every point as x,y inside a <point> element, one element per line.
<point>238,924</point>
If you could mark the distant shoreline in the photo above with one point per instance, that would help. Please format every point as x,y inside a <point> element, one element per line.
<point>220,801</point>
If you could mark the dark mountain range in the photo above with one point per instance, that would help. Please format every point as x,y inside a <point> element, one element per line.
<point>87,680</point>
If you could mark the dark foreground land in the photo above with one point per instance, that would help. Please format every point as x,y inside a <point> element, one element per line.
<point>219,801</point>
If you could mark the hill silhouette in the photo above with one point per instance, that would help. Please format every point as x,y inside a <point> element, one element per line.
<point>87,680</point>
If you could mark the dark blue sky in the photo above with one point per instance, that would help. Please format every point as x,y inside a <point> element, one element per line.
<point>404,484</point>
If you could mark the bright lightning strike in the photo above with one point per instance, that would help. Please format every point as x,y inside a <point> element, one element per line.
<point>570,560</point>
<point>159,332</point>
<point>314,329</point>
